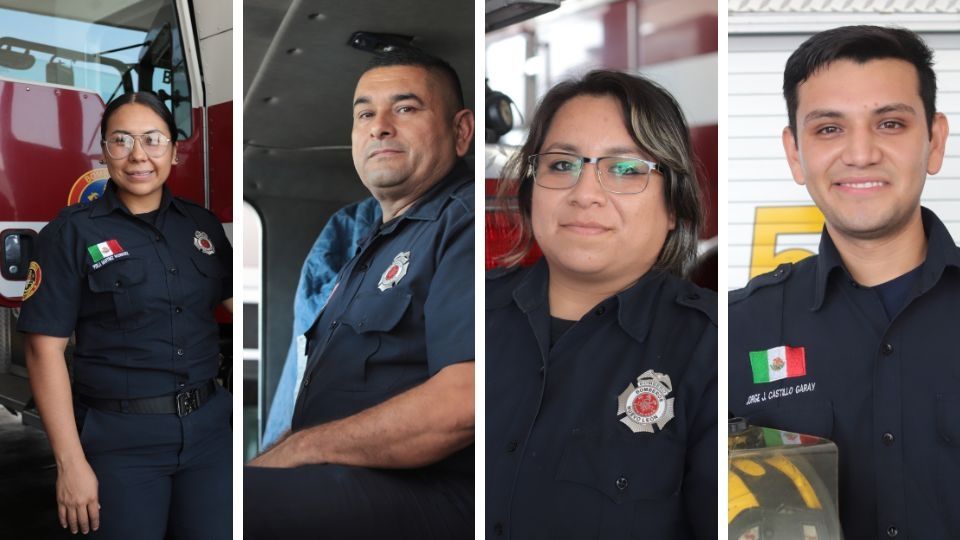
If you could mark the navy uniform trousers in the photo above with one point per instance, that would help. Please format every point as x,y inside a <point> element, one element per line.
<point>170,475</point>
<point>338,501</point>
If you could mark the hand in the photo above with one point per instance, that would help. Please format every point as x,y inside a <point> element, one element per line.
<point>281,455</point>
<point>77,502</point>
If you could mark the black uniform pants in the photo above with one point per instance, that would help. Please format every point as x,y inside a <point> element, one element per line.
<point>162,476</point>
<point>336,501</point>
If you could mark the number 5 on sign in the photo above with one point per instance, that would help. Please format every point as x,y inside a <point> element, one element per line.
<point>774,221</point>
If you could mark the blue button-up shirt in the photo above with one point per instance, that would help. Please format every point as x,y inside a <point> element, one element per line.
<point>139,295</point>
<point>401,311</point>
<point>563,458</point>
<point>885,389</point>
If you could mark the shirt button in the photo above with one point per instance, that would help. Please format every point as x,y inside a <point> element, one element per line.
<point>333,325</point>
<point>182,385</point>
<point>599,311</point>
<point>178,309</point>
<point>887,349</point>
<point>511,446</point>
<point>622,483</point>
<point>892,531</point>
<point>116,283</point>
<point>179,352</point>
<point>173,269</point>
<point>498,529</point>
<point>887,438</point>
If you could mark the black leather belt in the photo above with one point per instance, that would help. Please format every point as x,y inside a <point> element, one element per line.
<point>181,404</point>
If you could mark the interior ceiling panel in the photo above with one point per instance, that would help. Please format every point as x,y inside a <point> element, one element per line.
<point>299,72</point>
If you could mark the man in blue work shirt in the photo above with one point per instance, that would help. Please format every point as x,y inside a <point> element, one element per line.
<point>856,344</point>
<point>382,431</point>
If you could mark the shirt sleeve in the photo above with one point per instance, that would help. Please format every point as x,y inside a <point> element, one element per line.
<point>225,256</point>
<point>52,300</point>
<point>700,475</point>
<point>448,311</point>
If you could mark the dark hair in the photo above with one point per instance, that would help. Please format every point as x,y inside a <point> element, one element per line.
<point>147,99</point>
<point>656,124</point>
<point>412,56</point>
<point>860,44</point>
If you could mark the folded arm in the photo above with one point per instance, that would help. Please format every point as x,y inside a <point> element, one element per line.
<point>415,428</point>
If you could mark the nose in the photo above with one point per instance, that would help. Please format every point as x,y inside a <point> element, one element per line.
<point>861,148</point>
<point>137,153</point>
<point>382,126</point>
<point>588,191</point>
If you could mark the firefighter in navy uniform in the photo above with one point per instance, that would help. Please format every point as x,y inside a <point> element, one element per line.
<point>857,343</point>
<point>381,441</point>
<point>136,275</point>
<point>602,362</point>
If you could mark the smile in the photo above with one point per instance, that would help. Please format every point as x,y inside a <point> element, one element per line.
<point>860,184</point>
<point>139,174</point>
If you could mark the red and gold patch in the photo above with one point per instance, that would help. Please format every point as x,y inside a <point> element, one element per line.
<point>33,280</point>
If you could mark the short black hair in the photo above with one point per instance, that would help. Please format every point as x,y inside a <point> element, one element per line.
<point>147,99</point>
<point>860,44</point>
<point>412,56</point>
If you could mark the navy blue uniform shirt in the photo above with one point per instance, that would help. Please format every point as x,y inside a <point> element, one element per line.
<point>563,460</point>
<point>140,296</point>
<point>401,311</point>
<point>886,390</point>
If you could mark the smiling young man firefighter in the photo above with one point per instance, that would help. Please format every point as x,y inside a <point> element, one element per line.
<point>857,343</point>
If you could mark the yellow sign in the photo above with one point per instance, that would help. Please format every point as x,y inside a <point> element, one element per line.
<point>774,221</point>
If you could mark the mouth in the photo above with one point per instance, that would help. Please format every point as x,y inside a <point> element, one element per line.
<point>585,228</point>
<point>384,152</point>
<point>861,185</point>
<point>139,175</point>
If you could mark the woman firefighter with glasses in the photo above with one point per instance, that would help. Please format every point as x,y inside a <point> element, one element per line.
<point>141,435</point>
<point>601,388</point>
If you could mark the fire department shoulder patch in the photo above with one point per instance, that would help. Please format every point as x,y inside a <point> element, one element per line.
<point>33,280</point>
<point>646,404</point>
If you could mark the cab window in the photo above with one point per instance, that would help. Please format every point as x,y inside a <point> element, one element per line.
<point>107,48</point>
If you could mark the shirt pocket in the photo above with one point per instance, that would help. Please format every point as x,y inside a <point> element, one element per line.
<point>122,284</point>
<point>948,460</point>
<point>212,273</point>
<point>630,483</point>
<point>358,360</point>
<point>807,418</point>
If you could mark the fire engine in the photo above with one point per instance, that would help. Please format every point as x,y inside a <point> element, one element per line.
<point>60,63</point>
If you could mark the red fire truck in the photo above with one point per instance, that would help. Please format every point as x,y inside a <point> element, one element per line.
<point>60,62</point>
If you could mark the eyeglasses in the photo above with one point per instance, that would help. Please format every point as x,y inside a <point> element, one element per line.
<point>622,175</point>
<point>119,145</point>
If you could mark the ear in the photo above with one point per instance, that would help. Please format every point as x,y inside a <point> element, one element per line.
<point>175,161</point>
<point>939,131</point>
<point>463,125</point>
<point>793,156</point>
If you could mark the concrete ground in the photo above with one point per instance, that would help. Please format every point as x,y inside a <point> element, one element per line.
<point>28,476</point>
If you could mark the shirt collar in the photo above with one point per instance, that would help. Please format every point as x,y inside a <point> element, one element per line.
<point>635,305</point>
<point>941,253</point>
<point>429,206</point>
<point>111,202</point>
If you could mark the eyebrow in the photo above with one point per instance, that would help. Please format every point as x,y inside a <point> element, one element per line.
<point>396,98</point>
<point>154,130</point>
<point>818,114</point>
<point>615,151</point>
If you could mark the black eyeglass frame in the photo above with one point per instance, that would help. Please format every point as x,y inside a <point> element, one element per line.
<point>652,166</point>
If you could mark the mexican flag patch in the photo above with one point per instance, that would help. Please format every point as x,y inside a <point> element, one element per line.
<point>104,249</point>
<point>778,363</point>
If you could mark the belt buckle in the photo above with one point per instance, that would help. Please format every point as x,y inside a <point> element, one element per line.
<point>187,402</point>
